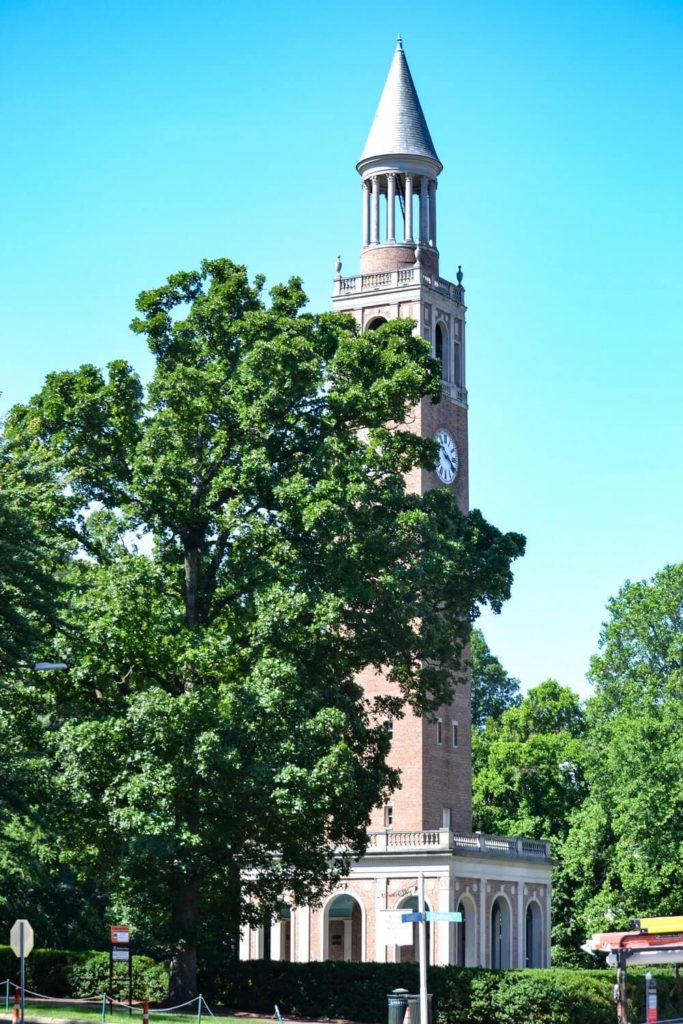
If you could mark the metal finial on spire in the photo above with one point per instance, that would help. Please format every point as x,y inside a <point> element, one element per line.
<point>399,42</point>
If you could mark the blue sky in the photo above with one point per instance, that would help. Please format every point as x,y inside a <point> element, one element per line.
<point>141,137</point>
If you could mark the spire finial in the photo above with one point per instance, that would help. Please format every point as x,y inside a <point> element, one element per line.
<point>399,42</point>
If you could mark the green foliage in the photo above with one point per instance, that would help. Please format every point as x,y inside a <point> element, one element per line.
<point>528,766</point>
<point>493,690</point>
<point>80,974</point>
<point>241,544</point>
<point>359,992</point>
<point>622,856</point>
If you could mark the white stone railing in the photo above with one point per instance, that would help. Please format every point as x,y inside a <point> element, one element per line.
<point>476,843</point>
<point>396,278</point>
<point>501,845</point>
<point>430,839</point>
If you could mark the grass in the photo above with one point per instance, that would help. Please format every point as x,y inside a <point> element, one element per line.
<point>92,1012</point>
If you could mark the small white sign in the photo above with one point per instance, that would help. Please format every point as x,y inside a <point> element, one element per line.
<point>120,953</point>
<point>394,931</point>
<point>15,937</point>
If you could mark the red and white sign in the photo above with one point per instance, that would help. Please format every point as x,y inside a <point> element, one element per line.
<point>120,934</point>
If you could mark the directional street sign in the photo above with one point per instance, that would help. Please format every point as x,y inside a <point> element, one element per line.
<point>443,915</point>
<point>15,937</point>
<point>412,916</point>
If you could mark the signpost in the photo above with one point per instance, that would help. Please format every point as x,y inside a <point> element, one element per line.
<point>21,941</point>
<point>421,917</point>
<point>119,952</point>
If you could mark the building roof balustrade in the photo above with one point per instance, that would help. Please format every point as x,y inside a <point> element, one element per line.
<point>463,843</point>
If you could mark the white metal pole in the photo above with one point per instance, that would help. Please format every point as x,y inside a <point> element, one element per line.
<point>422,936</point>
<point>22,969</point>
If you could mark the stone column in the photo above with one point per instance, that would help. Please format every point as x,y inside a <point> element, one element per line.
<point>521,922</point>
<point>374,221</point>
<point>409,208</point>
<point>432,212</point>
<point>483,929</point>
<point>391,197</point>
<point>424,210</point>
<point>365,191</point>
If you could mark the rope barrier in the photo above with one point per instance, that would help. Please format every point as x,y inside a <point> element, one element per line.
<point>97,1000</point>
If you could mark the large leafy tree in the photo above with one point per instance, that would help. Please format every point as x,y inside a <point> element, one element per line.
<point>493,690</point>
<point>529,778</point>
<point>528,767</point>
<point>623,853</point>
<point>242,545</point>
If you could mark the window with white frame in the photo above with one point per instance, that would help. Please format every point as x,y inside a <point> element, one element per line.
<point>454,733</point>
<point>439,731</point>
<point>388,815</point>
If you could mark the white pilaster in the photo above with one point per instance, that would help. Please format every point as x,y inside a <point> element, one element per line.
<point>424,210</point>
<point>391,202</point>
<point>520,925</point>
<point>409,208</point>
<point>374,220</point>
<point>483,930</point>
<point>432,212</point>
<point>365,191</point>
<point>303,944</point>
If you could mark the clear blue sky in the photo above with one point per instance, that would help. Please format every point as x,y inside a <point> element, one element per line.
<point>139,138</point>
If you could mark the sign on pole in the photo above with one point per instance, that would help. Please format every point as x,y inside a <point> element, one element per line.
<point>21,941</point>
<point>19,928</point>
<point>443,915</point>
<point>395,931</point>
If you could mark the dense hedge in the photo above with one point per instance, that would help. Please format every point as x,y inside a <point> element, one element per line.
<point>358,992</point>
<point>61,972</point>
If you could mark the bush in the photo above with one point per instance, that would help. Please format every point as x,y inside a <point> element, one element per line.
<point>62,973</point>
<point>359,992</point>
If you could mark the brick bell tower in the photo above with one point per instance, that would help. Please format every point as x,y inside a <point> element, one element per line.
<point>399,277</point>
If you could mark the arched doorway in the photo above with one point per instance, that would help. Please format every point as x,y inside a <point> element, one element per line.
<point>501,932</point>
<point>533,934</point>
<point>466,934</point>
<point>411,954</point>
<point>343,924</point>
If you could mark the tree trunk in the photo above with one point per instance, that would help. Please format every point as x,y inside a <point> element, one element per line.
<point>184,927</point>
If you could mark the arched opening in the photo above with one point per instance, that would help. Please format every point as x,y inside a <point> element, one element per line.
<point>466,934</point>
<point>343,921</point>
<point>411,954</point>
<point>533,934</point>
<point>501,946</point>
<point>441,349</point>
<point>376,322</point>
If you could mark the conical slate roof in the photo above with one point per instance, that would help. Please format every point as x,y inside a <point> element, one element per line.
<point>399,127</point>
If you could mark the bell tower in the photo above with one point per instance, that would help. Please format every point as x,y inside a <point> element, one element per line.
<point>399,277</point>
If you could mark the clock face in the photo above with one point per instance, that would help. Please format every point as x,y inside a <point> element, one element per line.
<point>447,459</point>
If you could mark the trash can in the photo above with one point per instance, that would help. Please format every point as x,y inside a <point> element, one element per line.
<point>398,1001</point>
<point>414,1004</point>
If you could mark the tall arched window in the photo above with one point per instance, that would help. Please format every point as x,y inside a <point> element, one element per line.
<point>501,946</point>
<point>533,953</point>
<point>376,321</point>
<point>441,350</point>
<point>466,933</point>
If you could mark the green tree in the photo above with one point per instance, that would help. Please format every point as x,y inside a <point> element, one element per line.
<point>493,690</point>
<point>528,772</point>
<point>29,592</point>
<point>623,853</point>
<point>243,544</point>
